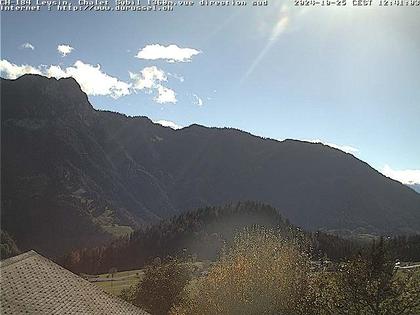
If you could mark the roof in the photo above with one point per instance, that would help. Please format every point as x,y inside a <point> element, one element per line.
<point>32,284</point>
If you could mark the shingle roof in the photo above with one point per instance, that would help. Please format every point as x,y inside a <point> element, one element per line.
<point>32,284</point>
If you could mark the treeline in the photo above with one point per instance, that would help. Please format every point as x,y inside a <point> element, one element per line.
<point>204,232</point>
<point>404,248</point>
<point>201,233</point>
<point>262,273</point>
<point>8,247</point>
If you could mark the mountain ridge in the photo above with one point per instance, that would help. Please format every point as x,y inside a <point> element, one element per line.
<point>415,187</point>
<point>64,161</point>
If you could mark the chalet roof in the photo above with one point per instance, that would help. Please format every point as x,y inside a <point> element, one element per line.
<point>32,284</point>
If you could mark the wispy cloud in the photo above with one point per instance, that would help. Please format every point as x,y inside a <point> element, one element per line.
<point>176,76</point>
<point>27,46</point>
<point>171,53</point>
<point>408,177</point>
<point>151,79</point>
<point>168,123</point>
<point>64,49</point>
<point>197,100</point>
<point>344,148</point>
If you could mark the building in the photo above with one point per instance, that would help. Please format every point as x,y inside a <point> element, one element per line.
<point>32,284</point>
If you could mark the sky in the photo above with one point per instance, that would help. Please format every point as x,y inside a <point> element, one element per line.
<point>348,77</point>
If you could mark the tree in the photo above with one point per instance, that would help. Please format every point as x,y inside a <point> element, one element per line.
<point>263,273</point>
<point>372,285</point>
<point>8,246</point>
<point>259,274</point>
<point>162,286</point>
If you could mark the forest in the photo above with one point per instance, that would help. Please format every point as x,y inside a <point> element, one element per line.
<point>261,272</point>
<point>204,232</point>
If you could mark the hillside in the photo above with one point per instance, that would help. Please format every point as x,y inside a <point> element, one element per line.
<point>73,176</point>
<point>201,233</point>
<point>415,187</point>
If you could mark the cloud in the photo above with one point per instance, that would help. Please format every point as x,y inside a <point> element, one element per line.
<point>344,148</point>
<point>11,71</point>
<point>150,79</point>
<point>176,76</point>
<point>171,53</point>
<point>197,100</point>
<point>64,50</point>
<point>92,79</point>
<point>168,123</point>
<point>56,72</point>
<point>407,177</point>
<point>27,46</point>
<point>165,95</point>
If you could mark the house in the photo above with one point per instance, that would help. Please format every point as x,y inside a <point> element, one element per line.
<point>32,284</point>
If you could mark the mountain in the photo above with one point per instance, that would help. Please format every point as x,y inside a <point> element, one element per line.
<point>415,187</point>
<point>73,176</point>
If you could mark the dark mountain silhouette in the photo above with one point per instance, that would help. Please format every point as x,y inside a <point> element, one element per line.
<point>73,176</point>
<point>415,187</point>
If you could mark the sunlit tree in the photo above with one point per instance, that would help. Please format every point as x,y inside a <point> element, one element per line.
<point>259,274</point>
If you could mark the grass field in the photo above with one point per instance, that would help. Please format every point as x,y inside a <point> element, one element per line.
<point>115,283</point>
<point>118,230</point>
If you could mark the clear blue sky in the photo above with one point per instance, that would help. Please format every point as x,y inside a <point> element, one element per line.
<point>346,76</point>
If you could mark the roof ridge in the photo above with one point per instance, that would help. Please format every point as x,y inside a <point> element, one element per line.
<point>32,283</point>
<point>20,257</point>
